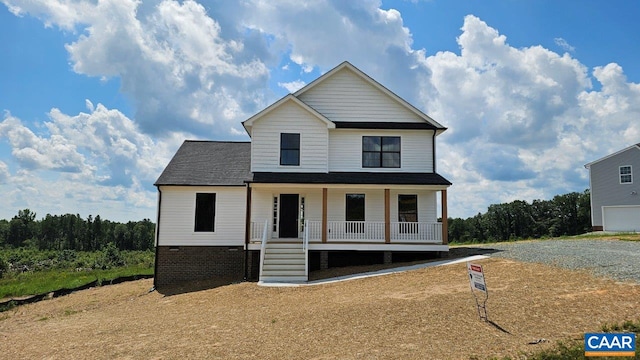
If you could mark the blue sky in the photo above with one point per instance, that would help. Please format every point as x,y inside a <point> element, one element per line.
<point>97,96</point>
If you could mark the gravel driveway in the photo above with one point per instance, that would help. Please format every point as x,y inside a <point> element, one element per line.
<point>615,259</point>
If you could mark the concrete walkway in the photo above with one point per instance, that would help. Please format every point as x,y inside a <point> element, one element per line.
<point>375,273</point>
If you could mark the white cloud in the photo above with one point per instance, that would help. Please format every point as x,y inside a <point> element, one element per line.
<point>292,86</point>
<point>564,45</point>
<point>170,56</point>
<point>522,122</point>
<point>92,158</point>
<point>35,152</point>
<point>4,172</point>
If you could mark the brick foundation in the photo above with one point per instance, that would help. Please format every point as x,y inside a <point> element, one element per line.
<point>178,264</point>
<point>253,265</point>
<point>324,260</point>
<point>597,228</point>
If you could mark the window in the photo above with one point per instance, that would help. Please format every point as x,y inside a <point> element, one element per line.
<point>275,214</point>
<point>205,212</point>
<point>408,213</point>
<point>381,151</point>
<point>290,149</point>
<point>301,214</point>
<point>355,212</point>
<point>625,175</point>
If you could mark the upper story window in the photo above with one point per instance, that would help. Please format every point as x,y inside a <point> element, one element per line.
<point>290,149</point>
<point>381,151</point>
<point>625,175</point>
<point>205,212</point>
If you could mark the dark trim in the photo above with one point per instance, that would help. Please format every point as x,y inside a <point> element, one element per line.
<point>221,185</point>
<point>155,264</point>
<point>385,125</point>
<point>361,178</point>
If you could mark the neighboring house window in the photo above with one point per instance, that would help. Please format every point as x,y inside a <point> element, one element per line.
<point>381,151</point>
<point>290,149</point>
<point>205,212</point>
<point>625,175</point>
<point>408,213</point>
<point>355,212</point>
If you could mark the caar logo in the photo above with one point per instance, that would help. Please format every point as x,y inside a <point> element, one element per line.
<point>609,344</point>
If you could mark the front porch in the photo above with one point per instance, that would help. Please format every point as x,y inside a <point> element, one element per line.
<point>287,221</point>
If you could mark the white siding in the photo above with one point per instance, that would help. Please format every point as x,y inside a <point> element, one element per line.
<point>347,97</point>
<point>177,216</point>
<point>345,150</point>
<point>289,118</point>
<point>427,204</point>
<point>373,204</point>
<point>606,189</point>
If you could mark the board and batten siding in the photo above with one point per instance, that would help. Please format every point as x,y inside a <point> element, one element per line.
<point>289,118</point>
<point>606,189</point>
<point>345,150</point>
<point>345,96</point>
<point>177,216</point>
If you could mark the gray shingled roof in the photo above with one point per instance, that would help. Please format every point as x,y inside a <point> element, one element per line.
<point>208,163</point>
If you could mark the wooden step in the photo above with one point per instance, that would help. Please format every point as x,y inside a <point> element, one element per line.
<point>284,261</point>
<point>283,279</point>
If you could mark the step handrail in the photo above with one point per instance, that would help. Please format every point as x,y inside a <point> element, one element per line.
<point>263,246</point>
<point>305,248</point>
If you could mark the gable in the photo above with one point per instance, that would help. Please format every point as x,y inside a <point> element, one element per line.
<point>346,94</point>
<point>287,101</point>
<point>633,149</point>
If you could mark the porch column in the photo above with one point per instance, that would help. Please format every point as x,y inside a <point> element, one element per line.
<point>387,216</point>
<point>247,217</point>
<point>445,221</point>
<point>324,215</point>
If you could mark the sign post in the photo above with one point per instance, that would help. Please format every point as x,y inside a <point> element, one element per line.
<point>478,285</point>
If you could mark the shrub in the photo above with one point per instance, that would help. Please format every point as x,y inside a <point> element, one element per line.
<point>4,266</point>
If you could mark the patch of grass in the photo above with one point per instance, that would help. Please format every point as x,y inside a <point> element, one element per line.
<point>575,349</point>
<point>43,318</point>
<point>625,236</point>
<point>68,312</point>
<point>40,282</point>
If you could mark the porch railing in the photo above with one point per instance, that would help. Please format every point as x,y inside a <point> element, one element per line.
<point>373,231</point>
<point>416,232</point>
<point>361,231</point>
<point>257,230</point>
<point>263,246</point>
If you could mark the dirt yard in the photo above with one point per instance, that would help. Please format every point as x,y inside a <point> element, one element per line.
<point>422,314</point>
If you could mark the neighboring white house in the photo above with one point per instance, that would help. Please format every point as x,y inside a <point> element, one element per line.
<point>340,169</point>
<point>615,191</point>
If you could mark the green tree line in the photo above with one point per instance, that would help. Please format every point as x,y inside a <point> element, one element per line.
<point>72,232</point>
<point>568,214</point>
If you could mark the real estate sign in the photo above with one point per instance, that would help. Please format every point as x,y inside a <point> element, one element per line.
<point>476,277</point>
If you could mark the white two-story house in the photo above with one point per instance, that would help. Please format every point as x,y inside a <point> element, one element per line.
<point>341,172</point>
